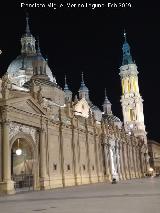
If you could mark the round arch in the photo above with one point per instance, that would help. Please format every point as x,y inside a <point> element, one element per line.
<point>28,140</point>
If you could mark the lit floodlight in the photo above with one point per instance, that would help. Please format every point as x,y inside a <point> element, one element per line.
<point>18,152</point>
<point>131,126</point>
<point>150,169</point>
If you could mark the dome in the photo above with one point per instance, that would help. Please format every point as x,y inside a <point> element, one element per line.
<point>16,65</point>
<point>93,107</point>
<point>111,118</point>
<point>106,101</point>
<point>83,87</point>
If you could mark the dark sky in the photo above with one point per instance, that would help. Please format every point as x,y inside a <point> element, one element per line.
<point>76,40</point>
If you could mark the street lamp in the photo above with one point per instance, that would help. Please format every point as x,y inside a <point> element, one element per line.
<point>150,169</point>
<point>18,151</point>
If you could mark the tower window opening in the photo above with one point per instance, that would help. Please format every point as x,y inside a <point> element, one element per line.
<point>84,167</point>
<point>54,166</point>
<point>132,115</point>
<point>68,167</point>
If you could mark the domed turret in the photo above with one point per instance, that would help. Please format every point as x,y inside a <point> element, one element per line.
<point>68,93</point>
<point>83,90</point>
<point>107,105</point>
<point>107,112</point>
<point>28,53</point>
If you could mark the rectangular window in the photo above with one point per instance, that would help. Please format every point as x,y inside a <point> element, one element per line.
<point>54,166</point>
<point>68,167</point>
<point>84,168</point>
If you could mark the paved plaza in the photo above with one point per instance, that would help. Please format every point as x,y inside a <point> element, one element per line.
<point>132,196</point>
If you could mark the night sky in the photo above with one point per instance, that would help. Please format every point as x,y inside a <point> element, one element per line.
<point>90,41</point>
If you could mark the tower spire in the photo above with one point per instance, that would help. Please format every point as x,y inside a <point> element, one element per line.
<point>27,25</point>
<point>107,104</point>
<point>125,35</point>
<point>27,40</point>
<point>83,91</point>
<point>65,85</point>
<point>131,100</point>
<point>106,100</point>
<point>127,58</point>
<point>105,93</point>
<point>82,77</point>
<point>65,79</point>
<point>68,93</point>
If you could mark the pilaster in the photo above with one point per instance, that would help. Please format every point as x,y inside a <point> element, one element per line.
<point>7,185</point>
<point>44,179</point>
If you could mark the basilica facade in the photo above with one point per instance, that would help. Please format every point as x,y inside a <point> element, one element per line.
<point>50,139</point>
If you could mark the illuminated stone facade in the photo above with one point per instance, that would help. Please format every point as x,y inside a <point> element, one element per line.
<point>132,102</point>
<point>63,142</point>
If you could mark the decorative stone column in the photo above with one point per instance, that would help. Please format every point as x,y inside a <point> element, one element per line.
<point>128,157</point>
<point>44,179</point>
<point>61,147</point>
<point>74,151</point>
<point>132,172</point>
<point>122,161</point>
<point>88,152</point>
<point>110,160</point>
<point>118,158</point>
<point>125,158</point>
<point>138,160</point>
<point>42,154</point>
<point>7,186</point>
<point>134,156</point>
<point>96,149</point>
<point>134,160</point>
<point>107,162</point>
<point>141,160</point>
<point>6,153</point>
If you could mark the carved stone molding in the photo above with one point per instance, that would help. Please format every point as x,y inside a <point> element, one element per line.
<point>15,128</point>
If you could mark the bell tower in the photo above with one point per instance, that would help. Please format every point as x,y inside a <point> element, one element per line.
<point>131,100</point>
<point>27,40</point>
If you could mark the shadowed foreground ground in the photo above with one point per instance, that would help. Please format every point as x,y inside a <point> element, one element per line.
<point>133,196</point>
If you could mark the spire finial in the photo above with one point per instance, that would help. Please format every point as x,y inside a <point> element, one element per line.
<point>27,24</point>
<point>127,58</point>
<point>65,79</point>
<point>125,35</point>
<point>105,92</point>
<point>82,77</point>
<point>65,84</point>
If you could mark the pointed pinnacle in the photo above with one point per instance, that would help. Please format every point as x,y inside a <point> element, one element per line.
<point>65,80</point>
<point>27,24</point>
<point>82,77</point>
<point>105,92</point>
<point>124,34</point>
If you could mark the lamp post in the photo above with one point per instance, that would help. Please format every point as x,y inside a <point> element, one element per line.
<point>18,150</point>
